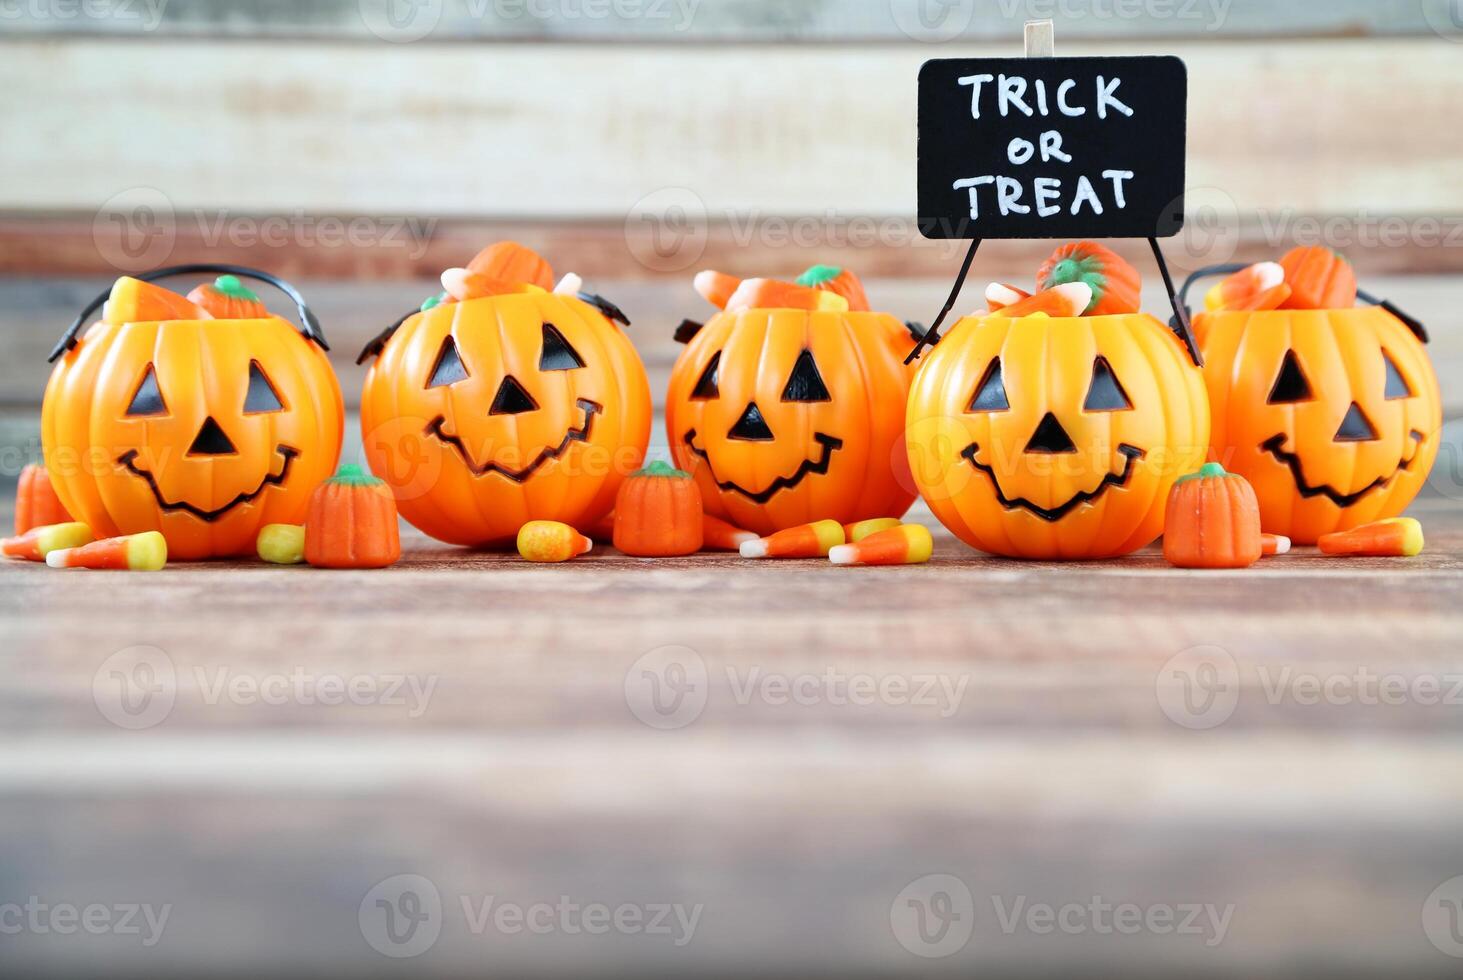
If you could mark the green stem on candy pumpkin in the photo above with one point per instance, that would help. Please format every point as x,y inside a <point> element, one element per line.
<point>1205,471</point>
<point>660,467</point>
<point>351,475</point>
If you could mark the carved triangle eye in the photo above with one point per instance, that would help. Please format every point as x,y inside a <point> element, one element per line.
<point>262,398</point>
<point>1397,386</point>
<point>708,386</point>
<point>805,384</point>
<point>557,354</point>
<point>1291,384</point>
<point>990,394</point>
<point>449,368</point>
<point>1105,393</point>
<point>147,400</point>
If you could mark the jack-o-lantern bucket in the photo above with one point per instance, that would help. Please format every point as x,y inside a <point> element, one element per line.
<point>501,402</point>
<point>1332,415</point>
<point>163,416</point>
<point>1055,437</point>
<point>787,406</point>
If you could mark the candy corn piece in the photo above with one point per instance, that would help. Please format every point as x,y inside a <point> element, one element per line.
<point>145,552</point>
<point>1067,299</point>
<point>1237,291</point>
<point>715,287</point>
<point>907,544</point>
<point>804,541</point>
<point>858,530</point>
<point>281,544</point>
<point>550,541</point>
<point>999,295</point>
<point>1397,537</point>
<point>463,285</point>
<point>1274,544</point>
<point>38,542</point>
<point>718,535</point>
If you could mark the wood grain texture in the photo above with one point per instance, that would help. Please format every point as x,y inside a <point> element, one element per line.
<point>553,131</point>
<point>1057,774</point>
<point>730,20</point>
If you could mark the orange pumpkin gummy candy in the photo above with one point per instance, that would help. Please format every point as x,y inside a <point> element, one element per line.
<point>1319,279</point>
<point>36,503</point>
<point>1213,521</point>
<point>1116,285</point>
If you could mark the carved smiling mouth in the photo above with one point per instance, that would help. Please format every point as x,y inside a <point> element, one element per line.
<point>1130,454</point>
<point>129,460</point>
<point>818,466</point>
<point>580,434</point>
<point>1275,446</point>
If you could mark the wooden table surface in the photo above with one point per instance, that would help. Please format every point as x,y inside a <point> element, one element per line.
<point>850,772</point>
<point>787,745</point>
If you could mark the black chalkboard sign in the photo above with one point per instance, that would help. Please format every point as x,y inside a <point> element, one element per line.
<point>1052,147</point>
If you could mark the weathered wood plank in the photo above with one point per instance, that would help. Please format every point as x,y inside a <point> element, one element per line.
<point>527,775</point>
<point>547,130</point>
<point>727,20</point>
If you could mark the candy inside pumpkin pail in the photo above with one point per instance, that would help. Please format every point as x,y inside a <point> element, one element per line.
<point>1055,438</point>
<point>1334,416</point>
<point>203,429</point>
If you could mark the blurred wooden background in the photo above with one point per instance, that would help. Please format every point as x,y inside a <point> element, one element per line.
<point>360,146</point>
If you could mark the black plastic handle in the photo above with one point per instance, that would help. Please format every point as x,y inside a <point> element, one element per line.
<point>309,325</point>
<point>1412,323</point>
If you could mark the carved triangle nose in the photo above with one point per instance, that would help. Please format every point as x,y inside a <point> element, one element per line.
<point>1356,427</point>
<point>211,441</point>
<point>751,426</point>
<point>512,398</point>
<point>1050,437</point>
